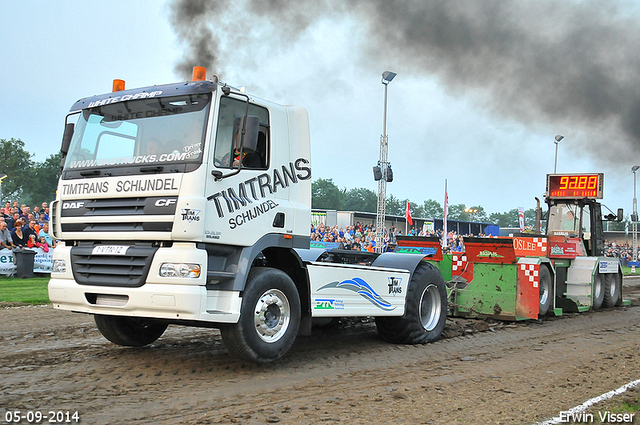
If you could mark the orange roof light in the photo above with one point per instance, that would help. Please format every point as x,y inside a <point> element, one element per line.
<point>199,73</point>
<point>118,85</point>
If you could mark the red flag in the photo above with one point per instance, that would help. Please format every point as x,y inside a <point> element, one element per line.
<point>407,215</point>
<point>446,212</point>
<point>521,218</point>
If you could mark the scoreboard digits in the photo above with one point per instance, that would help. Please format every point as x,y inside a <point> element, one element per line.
<point>578,182</point>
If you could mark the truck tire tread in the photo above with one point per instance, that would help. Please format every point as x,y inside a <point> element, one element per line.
<point>409,328</point>
<point>129,331</point>
<point>243,339</point>
<point>612,290</point>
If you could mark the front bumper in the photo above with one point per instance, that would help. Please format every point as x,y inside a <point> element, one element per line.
<point>160,301</point>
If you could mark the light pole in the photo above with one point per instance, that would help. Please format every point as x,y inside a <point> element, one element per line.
<point>382,172</point>
<point>2,177</point>
<point>557,140</point>
<point>634,220</point>
<point>471,212</point>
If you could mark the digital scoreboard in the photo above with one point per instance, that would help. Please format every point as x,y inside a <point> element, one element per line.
<point>575,186</point>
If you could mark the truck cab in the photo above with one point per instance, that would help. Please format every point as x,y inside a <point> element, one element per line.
<point>190,204</point>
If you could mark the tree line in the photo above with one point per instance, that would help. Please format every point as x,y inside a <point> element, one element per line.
<point>326,195</point>
<point>28,182</point>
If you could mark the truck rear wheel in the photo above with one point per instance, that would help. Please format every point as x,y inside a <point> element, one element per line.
<point>612,290</point>
<point>269,317</point>
<point>425,313</point>
<point>129,331</point>
<point>598,290</point>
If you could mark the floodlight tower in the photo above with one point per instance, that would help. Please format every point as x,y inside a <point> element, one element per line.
<point>634,217</point>
<point>2,177</point>
<point>382,172</point>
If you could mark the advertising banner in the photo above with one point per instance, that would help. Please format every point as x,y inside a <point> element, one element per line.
<point>42,261</point>
<point>6,262</point>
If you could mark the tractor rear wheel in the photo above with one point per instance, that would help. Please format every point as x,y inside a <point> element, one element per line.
<point>598,290</point>
<point>546,291</point>
<point>612,290</point>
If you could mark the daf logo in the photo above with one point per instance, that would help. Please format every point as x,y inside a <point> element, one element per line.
<point>72,205</point>
<point>165,202</point>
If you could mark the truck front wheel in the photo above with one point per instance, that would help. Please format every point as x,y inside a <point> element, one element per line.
<point>129,331</point>
<point>425,313</point>
<point>269,317</point>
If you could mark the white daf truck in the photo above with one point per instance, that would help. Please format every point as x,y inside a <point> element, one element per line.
<point>190,204</point>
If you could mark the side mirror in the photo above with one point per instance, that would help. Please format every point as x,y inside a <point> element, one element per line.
<point>66,138</point>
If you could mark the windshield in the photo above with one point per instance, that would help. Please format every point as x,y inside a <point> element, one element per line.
<point>152,131</point>
<point>564,219</point>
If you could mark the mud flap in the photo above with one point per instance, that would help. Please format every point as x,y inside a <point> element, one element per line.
<point>528,288</point>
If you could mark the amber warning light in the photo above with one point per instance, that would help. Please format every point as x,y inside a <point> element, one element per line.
<point>118,85</point>
<point>575,186</point>
<point>199,73</point>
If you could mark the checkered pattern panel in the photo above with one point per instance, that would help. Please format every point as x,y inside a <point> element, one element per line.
<point>541,243</point>
<point>531,273</point>
<point>459,263</point>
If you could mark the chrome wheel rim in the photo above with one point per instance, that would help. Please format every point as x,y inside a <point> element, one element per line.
<point>430,307</point>
<point>272,315</point>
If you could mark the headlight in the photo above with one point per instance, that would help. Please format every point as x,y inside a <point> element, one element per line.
<point>180,270</point>
<point>59,266</point>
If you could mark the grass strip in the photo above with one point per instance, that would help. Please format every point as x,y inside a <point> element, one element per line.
<point>31,291</point>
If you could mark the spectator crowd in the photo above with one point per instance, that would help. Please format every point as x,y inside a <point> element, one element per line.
<point>361,237</point>
<point>21,228</point>
<point>624,252</point>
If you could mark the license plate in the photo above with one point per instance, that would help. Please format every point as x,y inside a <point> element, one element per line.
<point>110,250</point>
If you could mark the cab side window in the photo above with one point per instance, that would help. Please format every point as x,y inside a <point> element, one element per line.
<point>226,152</point>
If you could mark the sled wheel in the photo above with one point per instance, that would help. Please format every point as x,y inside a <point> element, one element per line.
<point>612,290</point>
<point>129,331</point>
<point>598,290</point>
<point>425,311</point>
<point>269,317</point>
<point>546,291</point>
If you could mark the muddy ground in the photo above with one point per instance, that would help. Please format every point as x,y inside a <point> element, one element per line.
<point>483,372</point>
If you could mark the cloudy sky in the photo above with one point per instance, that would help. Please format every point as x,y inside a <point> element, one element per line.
<point>483,87</point>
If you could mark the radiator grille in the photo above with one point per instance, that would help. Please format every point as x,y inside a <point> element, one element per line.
<point>128,270</point>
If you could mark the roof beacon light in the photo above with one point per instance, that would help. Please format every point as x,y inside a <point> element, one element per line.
<point>118,85</point>
<point>199,73</point>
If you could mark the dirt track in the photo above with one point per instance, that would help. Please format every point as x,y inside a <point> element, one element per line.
<point>510,374</point>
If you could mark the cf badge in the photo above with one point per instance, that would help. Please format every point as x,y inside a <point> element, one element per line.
<point>165,202</point>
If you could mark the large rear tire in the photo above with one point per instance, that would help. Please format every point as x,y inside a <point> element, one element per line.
<point>598,290</point>
<point>425,313</point>
<point>269,317</point>
<point>546,291</point>
<point>612,290</point>
<point>129,331</point>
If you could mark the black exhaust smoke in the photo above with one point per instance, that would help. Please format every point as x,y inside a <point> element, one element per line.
<point>540,63</point>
